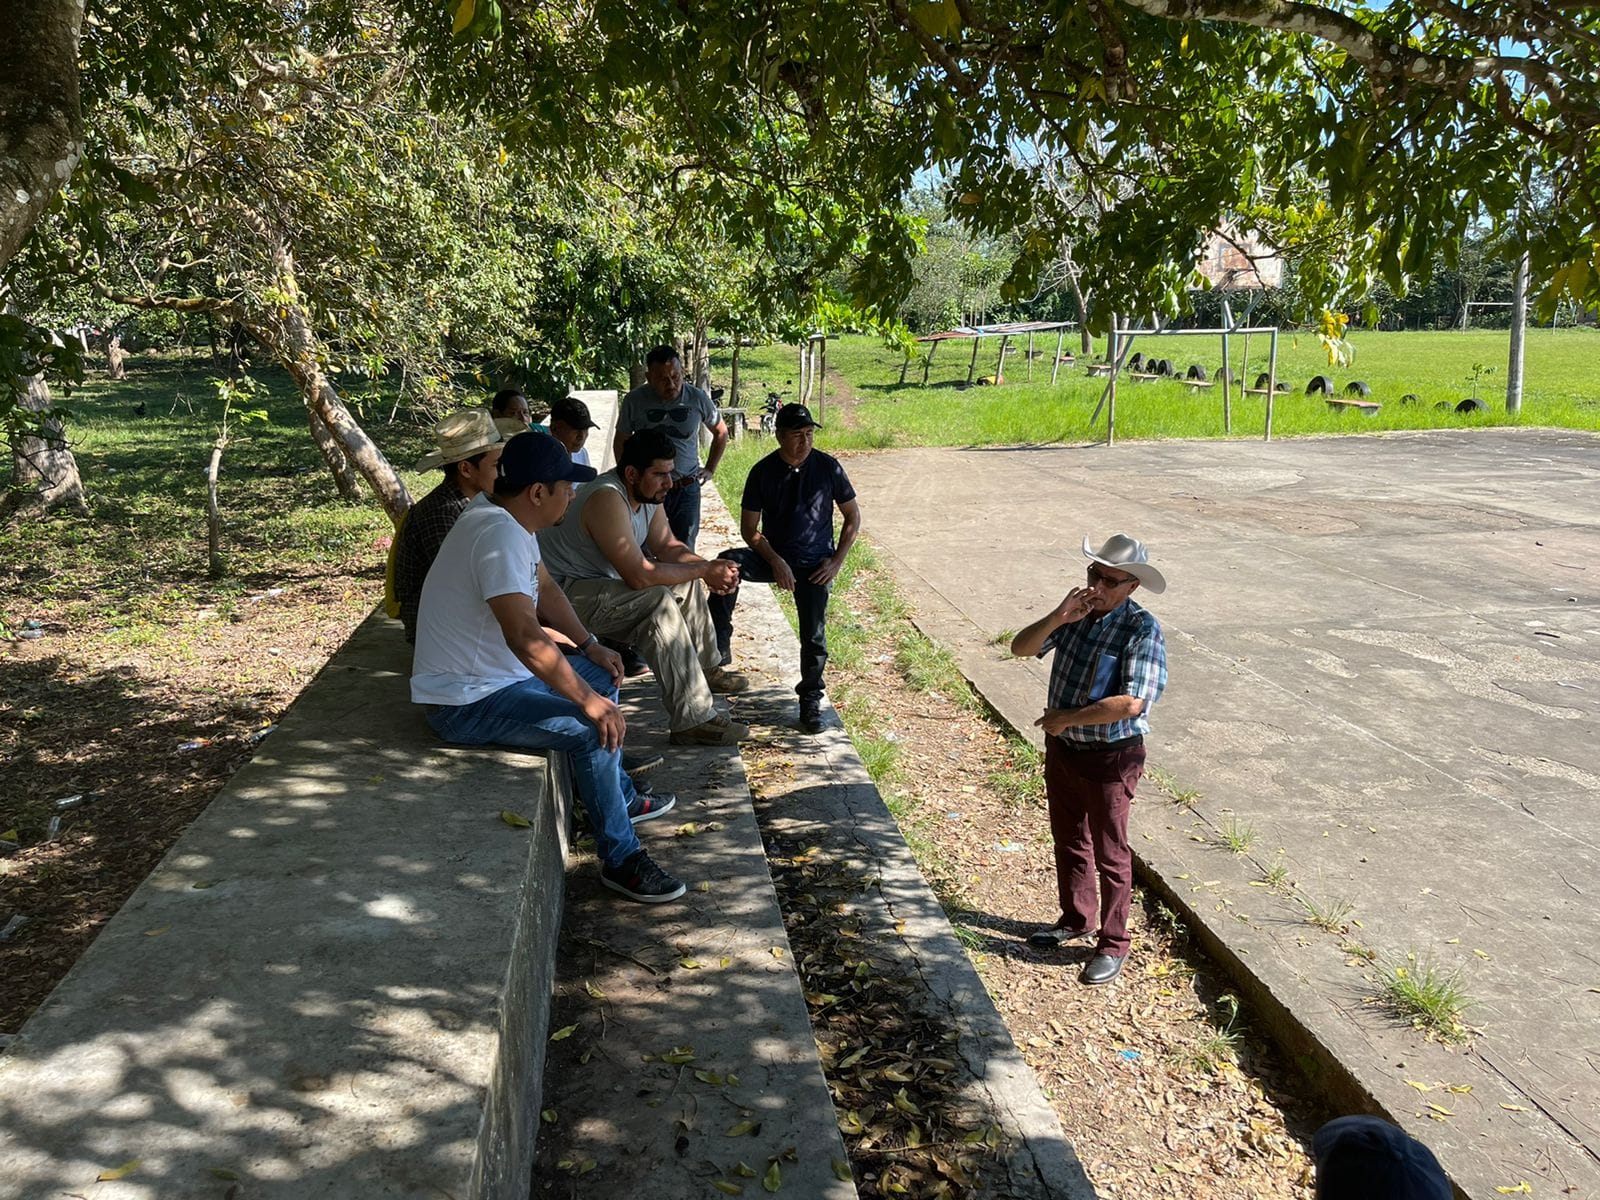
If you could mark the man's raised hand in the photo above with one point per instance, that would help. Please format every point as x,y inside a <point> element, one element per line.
<point>1075,607</point>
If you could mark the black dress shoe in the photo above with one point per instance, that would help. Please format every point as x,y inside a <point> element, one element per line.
<point>1053,937</point>
<point>1102,968</point>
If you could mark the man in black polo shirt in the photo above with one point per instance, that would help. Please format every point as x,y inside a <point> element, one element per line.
<point>786,519</point>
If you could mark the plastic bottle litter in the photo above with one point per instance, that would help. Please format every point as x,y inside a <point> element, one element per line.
<point>29,635</point>
<point>67,803</point>
<point>33,623</point>
<point>53,828</point>
<point>196,744</point>
<point>12,926</point>
<point>262,734</point>
<point>1128,1055</point>
<point>1009,847</point>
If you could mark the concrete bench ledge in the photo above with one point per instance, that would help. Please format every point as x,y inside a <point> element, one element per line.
<point>335,985</point>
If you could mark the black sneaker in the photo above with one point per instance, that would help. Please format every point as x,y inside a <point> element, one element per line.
<point>811,715</point>
<point>637,766</point>
<point>647,806</point>
<point>633,665</point>
<point>638,878</point>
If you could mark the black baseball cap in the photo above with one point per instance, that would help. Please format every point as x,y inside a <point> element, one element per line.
<point>569,410</point>
<point>531,458</point>
<point>795,416</point>
<point>1364,1158</point>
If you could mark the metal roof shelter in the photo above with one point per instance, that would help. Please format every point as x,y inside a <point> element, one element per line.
<point>1005,332</point>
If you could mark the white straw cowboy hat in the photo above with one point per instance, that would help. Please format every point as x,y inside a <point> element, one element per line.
<point>460,436</point>
<point>1127,554</point>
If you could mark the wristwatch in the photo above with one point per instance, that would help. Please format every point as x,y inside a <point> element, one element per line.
<point>591,640</point>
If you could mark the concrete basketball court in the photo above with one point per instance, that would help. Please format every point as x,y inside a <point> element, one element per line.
<point>1385,657</point>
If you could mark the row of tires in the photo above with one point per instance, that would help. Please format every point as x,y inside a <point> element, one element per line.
<point>1320,385</point>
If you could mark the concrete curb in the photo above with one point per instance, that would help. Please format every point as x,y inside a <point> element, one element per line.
<point>831,801</point>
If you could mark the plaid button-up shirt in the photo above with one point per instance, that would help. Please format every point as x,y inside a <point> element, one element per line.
<point>418,543</point>
<point>1119,654</point>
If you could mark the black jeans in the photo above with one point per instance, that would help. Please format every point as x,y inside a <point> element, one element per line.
<point>811,601</point>
<point>683,511</point>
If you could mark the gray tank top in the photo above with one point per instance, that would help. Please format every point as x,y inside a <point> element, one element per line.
<point>569,553</point>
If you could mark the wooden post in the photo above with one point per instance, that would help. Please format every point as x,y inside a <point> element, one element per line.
<point>1111,409</point>
<point>1272,381</point>
<point>1030,356</point>
<point>803,392</point>
<point>927,363</point>
<point>904,367</point>
<point>973,365</point>
<point>1000,362</point>
<point>1056,366</point>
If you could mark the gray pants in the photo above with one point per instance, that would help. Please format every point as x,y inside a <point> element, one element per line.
<point>671,629</point>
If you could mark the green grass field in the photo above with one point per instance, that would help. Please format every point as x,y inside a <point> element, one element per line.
<point>1561,388</point>
<point>145,477</point>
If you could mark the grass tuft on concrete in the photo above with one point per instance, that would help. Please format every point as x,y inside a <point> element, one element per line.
<point>1427,996</point>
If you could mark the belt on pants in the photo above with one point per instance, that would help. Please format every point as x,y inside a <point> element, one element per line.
<point>1101,747</point>
<point>679,481</point>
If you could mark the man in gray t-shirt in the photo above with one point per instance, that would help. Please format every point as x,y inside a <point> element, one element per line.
<point>679,410</point>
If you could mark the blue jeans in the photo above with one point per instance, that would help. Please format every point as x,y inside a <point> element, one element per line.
<point>811,606</point>
<point>683,510</point>
<point>530,715</point>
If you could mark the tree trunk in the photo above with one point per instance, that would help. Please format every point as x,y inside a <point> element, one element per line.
<point>41,123</point>
<point>286,332</point>
<point>733,383</point>
<point>344,475</point>
<point>638,376</point>
<point>700,357</point>
<point>44,473</point>
<point>1519,324</point>
<point>213,509</point>
<point>1085,339</point>
<point>116,357</point>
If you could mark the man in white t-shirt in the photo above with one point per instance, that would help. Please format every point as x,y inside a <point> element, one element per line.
<point>488,672</point>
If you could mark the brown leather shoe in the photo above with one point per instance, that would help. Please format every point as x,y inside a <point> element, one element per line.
<point>725,682</point>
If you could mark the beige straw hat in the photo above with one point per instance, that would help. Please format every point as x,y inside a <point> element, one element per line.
<point>460,436</point>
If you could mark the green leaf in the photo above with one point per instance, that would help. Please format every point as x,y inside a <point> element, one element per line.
<point>773,1179</point>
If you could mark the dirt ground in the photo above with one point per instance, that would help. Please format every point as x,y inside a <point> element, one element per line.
<point>146,726</point>
<point>1159,1080</point>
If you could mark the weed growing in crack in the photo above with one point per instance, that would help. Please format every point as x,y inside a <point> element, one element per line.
<point>1276,877</point>
<point>1236,836</point>
<point>1332,915</point>
<point>1427,996</point>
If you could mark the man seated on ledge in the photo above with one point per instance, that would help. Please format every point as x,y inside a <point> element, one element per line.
<point>488,672</point>
<point>629,578</point>
<point>468,453</point>
<point>786,518</point>
<point>570,423</point>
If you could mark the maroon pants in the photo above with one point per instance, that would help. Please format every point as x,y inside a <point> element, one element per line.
<point>1089,793</point>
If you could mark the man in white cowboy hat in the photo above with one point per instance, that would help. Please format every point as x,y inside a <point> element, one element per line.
<point>1110,666</point>
<point>469,454</point>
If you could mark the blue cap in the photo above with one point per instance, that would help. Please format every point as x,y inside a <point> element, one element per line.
<point>531,458</point>
<point>1363,1158</point>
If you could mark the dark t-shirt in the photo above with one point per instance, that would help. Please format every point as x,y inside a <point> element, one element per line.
<point>796,504</point>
